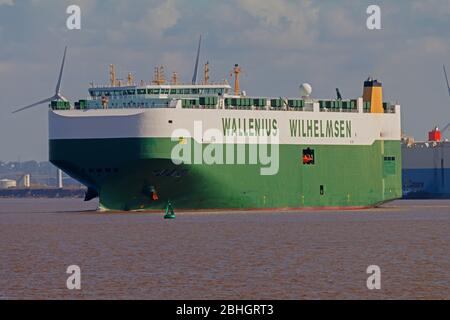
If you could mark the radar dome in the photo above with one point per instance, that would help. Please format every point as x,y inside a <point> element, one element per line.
<point>305,90</point>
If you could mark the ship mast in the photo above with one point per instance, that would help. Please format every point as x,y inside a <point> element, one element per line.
<point>112,75</point>
<point>206,74</point>
<point>174,78</point>
<point>237,70</point>
<point>159,77</point>
<point>130,79</point>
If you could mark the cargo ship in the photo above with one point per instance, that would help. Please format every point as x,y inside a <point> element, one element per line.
<point>426,164</point>
<point>205,145</point>
<point>426,167</point>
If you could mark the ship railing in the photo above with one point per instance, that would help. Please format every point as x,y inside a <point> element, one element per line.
<point>134,105</point>
<point>339,110</point>
<point>388,108</point>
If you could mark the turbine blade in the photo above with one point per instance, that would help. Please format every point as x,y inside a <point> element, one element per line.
<point>194,77</point>
<point>446,79</point>
<point>58,85</point>
<point>35,104</point>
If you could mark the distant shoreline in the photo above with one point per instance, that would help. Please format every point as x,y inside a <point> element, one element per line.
<point>42,193</point>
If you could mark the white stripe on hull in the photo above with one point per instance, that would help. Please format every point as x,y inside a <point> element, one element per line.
<point>366,128</point>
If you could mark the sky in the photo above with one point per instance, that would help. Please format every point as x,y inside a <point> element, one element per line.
<point>279,44</point>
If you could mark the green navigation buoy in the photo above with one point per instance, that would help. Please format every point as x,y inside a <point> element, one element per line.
<point>169,211</point>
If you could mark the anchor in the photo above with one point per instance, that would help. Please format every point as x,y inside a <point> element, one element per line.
<point>170,214</point>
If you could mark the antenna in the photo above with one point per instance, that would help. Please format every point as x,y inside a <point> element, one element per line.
<point>194,77</point>
<point>57,95</point>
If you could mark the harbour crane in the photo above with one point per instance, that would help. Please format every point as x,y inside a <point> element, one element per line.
<point>448,88</point>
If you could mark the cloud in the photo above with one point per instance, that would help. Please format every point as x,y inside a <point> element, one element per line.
<point>279,45</point>
<point>434,45</point>
<point>7,2</point>
<point>140,22</point>
<point>280,22</point>
<point>5,67</point>
<point>163,17</point>
<point>434,7</point>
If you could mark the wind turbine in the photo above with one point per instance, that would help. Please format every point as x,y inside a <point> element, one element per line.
<point>194,77</point>
<point>57,96</point>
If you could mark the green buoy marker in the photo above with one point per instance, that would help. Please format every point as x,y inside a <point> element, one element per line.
<point>169,211</point>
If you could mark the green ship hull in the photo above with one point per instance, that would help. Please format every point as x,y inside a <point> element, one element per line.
<point>127,173</point>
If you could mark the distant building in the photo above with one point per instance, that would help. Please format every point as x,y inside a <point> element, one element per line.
<point>25,181</point>
<point>7,184</point>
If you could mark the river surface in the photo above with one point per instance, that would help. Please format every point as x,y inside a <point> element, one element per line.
<point>218,255</point>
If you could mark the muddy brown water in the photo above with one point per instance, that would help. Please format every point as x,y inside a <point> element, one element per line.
<point>220,255</point>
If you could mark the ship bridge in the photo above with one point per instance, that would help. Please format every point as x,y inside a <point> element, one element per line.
<point>159,91</point>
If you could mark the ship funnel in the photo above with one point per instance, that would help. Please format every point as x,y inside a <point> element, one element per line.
<point>434,135</point>
<point>373,93</point>
<point>57,95</point>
